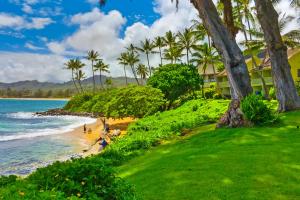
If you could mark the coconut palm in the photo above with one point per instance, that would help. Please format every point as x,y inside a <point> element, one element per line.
<point>159,43</point>
<point>142,71</point>
<point>123,61</point>
<point>132,59</point>
<point>187,41</point>
<point>71,66</point>
<point>101,67</point>
<point>170,39</point>
<point>147,48</point>
<point>93,57</point>
<point>204,56</point>
<point>173,54</point>
<point>80,75</point>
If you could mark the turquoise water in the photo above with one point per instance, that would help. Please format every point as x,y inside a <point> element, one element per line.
<point>28,141</point>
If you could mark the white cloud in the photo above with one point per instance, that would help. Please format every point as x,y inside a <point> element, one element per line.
<point>100,31</point>
<point>7,20</point>
<point>17,22</point>
<point>28,66</point>
<point>38,23</point>
<point>27,9</point>
<point>32,46</point>
<point>56,47</point>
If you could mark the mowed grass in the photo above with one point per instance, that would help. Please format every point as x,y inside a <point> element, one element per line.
<point>245,163</point>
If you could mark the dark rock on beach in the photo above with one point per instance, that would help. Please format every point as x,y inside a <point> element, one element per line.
<point>61,112</point>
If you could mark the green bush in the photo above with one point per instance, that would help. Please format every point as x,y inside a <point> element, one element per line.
<point>131,101</point>
<point>256,110</point>
<point>77,101</point>
<point>88,178</point>
<point>175,80</point>
<point>272,93</point>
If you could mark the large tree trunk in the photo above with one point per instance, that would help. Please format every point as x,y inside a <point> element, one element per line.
<point>286,92</point>
<point>233,59</point>
<point>229,19</point>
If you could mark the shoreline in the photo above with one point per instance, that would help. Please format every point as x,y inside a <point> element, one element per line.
<point>86,142</point>
<point>33,99</point>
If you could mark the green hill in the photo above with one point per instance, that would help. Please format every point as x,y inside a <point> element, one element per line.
<point>245,163</point>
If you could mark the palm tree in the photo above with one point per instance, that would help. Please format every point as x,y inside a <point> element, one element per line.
<point>142,71</point>
<point>123,61</point>
<point>80,75</point>
<point>71,66</point>
<point>132,59</point>
<point>147,48</point>
<point>93,56</point>
<point>159,43</point>
<point>173,54</point>
<point>170,39</point>
<point>101,67</point>
<point>187,41</point>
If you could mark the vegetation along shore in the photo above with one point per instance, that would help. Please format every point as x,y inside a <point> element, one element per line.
<point>217,118</point>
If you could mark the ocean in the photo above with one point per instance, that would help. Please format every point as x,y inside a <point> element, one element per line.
<point>28,141</point>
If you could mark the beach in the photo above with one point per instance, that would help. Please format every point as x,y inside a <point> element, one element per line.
<point>87,141</point>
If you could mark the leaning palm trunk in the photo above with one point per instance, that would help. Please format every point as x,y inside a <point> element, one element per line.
<point>286,91</point>
<point>80,86</point>
<point>73,79</point>
<point>233,59</point>
<point>134,74</point>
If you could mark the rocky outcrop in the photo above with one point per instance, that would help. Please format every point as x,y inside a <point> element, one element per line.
<point>60,112</point>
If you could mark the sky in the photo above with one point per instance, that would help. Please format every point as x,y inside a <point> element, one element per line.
<point>38,36</point>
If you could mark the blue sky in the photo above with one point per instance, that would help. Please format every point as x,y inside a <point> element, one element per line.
<point>59,12</point>
<point>38,36</point>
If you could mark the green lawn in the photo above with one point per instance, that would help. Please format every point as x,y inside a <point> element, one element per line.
<point>246,163</point>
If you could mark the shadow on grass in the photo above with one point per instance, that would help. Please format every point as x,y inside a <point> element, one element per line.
<point>244,163</point>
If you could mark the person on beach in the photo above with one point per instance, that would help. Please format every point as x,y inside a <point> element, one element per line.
<point>103,143</point>
<point>84,128</point>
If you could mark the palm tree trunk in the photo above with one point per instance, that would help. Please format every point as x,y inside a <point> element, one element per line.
<point>125,75</point>
<point>187,56</point>
<point>160,53</point>
<point>94,83</point>
<point>101,79</point>
<point>286,91</point>
<point>73,79</point>
<point>79,82</point>
<point>134,74</point>
<point>148,64</point>
<point>233,58</point>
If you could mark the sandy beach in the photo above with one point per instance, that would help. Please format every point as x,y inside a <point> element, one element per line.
<point>87,141</point>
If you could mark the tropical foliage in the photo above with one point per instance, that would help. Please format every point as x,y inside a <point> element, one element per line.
<point>175,80</point>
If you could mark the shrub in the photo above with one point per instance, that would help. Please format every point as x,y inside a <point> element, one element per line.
<point>256,110</point>
<point>77,101</point>
<point>90,178</point>
<point>175,80</point>
<point>272,93</point>
<point>131,101</point>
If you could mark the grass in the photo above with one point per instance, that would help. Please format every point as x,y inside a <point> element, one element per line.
<point>245,163</point>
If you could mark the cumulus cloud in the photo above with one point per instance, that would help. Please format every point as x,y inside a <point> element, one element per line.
<point>101,32</point>
<point>18,22</point>
<point>28,66</point>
